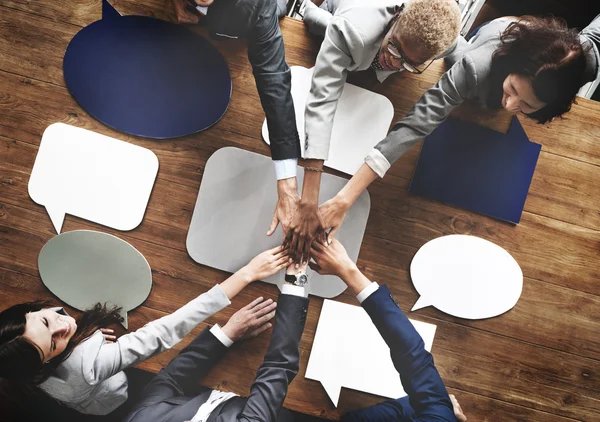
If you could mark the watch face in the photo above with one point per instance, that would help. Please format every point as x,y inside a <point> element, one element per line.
<point>302,279</point>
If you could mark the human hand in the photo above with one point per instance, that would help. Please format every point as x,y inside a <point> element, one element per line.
<point>333,213</point>
<point>108,335</point>
<point>287,205</point>
<point>458,412</point>
<point>306,226</point>
<point>332,259</point>
<point>267,263</point>
<point>251,320</point>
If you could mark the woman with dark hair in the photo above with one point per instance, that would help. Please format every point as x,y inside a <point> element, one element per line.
<point>532,66</point>
<point>78,364</point>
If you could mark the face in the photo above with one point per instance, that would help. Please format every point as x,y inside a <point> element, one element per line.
<point>394,46</point>
<point>49,331</point>
<point>518,95</point>
<point>204,3</point>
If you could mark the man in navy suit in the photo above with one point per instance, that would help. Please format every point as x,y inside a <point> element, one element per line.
<point>427,398</point>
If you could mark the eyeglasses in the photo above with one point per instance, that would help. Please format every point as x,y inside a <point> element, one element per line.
<point>396,52</point>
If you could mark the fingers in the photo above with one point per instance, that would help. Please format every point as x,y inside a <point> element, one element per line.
<point>260,329</point>
<point>108,335</point>
<point>253,303</point>
<point>266,318</point>
<point>263,308</point>
<point>315,267</point>
<point>318,246</point>
<point>274,224</point>
<point>333,232</point>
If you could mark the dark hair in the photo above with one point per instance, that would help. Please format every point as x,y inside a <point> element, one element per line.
<point>20,359</point>
<point>548,52</point>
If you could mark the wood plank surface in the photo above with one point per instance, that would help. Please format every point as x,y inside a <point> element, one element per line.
<point>538,362</point>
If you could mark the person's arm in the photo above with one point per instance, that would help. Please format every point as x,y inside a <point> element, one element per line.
<point>429,400</point>
<point>183,373</point>
<point>316,19</point>
<point>591,34</point>
<point>161,334</point>
<point>341,44</point>
<point>456,85</point>
<point>282,359</point>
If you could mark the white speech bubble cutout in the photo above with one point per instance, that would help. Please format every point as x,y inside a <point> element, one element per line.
<point>466,276</point>
<point>344,336</point>
<point>362,119</point>
<point>92,176</point>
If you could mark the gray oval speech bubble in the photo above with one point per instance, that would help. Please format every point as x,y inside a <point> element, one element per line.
<point>84,267</point>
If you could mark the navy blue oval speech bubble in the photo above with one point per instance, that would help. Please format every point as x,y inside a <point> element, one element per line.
<point>147,77</point>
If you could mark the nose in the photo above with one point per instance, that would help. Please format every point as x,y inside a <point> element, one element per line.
<point>59,327</point>
<point>512,104</point>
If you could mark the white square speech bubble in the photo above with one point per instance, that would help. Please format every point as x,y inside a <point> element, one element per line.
<point>345,335</point>
<point>92,176</point>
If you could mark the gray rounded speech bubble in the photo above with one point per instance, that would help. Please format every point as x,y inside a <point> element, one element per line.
<point>84,267</point>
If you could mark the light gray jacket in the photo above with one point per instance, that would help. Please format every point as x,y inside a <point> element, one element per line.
<point>91,380</point>
<point>468,78</point>
<point>354,31</point>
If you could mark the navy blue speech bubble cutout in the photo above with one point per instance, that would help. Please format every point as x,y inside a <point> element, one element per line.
<point>146,77</point>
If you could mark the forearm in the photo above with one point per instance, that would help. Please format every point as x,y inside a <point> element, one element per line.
<point>356,185</point>
<point>355,279</point>
<point>312,182</point>
<point>237,282</point>
<point>273,81</point>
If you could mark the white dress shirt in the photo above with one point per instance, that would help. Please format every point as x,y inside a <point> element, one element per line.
<point>285,169</point>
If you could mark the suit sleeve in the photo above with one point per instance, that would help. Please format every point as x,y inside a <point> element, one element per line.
<point>342,46</point>
<point>456,85</point>
<point>273,79</point>
<point>151,339</point>
<point>281,363</point>
<point>183,374</point>
<point>428,399</point>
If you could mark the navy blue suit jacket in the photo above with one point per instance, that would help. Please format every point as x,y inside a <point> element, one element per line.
<point>427,398</point>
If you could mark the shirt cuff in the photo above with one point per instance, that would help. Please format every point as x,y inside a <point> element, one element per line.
<point>285,169</point>
<point>290,289</point>
<point>221,336</point>
<point>367,291</point>
<point>378,163</point>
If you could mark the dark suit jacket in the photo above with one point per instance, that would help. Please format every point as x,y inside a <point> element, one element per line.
<point>427,397</point>
<point>173,395</point>
<point>257,21</point>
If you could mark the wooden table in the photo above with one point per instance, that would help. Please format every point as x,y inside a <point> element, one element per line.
<point>538,362</point>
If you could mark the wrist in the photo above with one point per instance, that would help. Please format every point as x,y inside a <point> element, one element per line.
<point>230,333</point>
<point>342,200</point>
<point>246,274</point>
<point>287,187</point>
<point>355,280</point>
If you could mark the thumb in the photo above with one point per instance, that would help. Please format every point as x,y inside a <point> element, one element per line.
<point>274,224</point>
<point>331,234</point>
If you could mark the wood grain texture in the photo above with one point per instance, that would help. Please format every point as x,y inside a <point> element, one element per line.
<point>539,361</point>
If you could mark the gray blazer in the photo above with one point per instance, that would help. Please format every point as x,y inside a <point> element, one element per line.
<point>353,30</point>
<point>91,380</point>
<point>468,78</point>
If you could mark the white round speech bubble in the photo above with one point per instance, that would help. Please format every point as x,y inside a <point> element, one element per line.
<point>466,276</point>
<point>84,267</point>
<point>92,176</point>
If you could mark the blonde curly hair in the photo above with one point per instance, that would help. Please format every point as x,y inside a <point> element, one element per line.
<point>432,24</point>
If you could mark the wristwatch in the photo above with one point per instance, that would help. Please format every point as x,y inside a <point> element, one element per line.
<point>299,279</point>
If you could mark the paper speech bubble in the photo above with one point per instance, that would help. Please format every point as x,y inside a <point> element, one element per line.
<point>345,335</point>
<point>466,276</point>
<point>361,120</point>
<point>92,176</point>
<point>84,267</point>
<point>147,77</point>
